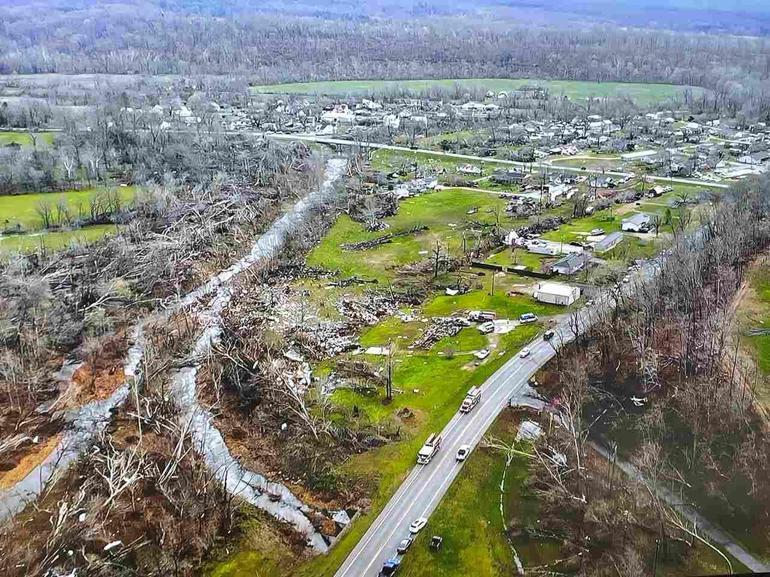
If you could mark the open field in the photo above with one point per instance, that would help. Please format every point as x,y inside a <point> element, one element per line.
<point>21,213</point>
<point>754,314</point>
<point>444,212</point>
<point>642,93</point>
<point>22,209</point>
<point>55,240</point>
<point>25,138</point>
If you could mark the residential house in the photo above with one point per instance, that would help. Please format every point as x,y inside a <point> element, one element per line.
<point>608,242</point>
<point>509,176</point>
<point>556,293</point>
<point>571,263</point>
<point>639,222</point>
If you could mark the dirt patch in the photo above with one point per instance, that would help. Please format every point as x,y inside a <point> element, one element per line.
<point>101,373</point>
<point>29,461</point>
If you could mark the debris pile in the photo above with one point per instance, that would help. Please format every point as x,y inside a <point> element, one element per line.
<point>367,310</point>
<point>384,239</point>
<point>440,327</point>
<point>327,339</point>
<point>543,225</point>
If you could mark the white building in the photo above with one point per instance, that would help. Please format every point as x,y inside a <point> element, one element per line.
<point>556,293</point>
<point>637,223</point>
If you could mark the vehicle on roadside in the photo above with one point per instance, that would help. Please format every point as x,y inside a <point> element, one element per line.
<point>482,316</point>
<point>390,567</point>
<point>548,335</point>
<point>471,399</point>
<point>418,525</point>
<point>524,353</point>
<point>462,452</point>
<point>404,545</point>
<point>528,318</point>
<point>482,354</point>
<point>486,328</point>
<point>436,541</point>
<point>429,449</point>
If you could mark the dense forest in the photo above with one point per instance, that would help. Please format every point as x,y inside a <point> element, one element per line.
<point>265,48</point>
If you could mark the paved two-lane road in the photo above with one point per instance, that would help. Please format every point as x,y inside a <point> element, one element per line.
<point>422,490</point>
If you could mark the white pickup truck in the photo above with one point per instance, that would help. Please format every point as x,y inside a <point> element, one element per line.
<point>429,449</point>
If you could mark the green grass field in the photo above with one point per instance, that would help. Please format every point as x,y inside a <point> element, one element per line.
<point>758,316</point>
<point>25,138</point>
<point>22,209</point>
<point>54,240</point>
<point>444,212</point>
<point>642,93</point>
<point>20,212</point>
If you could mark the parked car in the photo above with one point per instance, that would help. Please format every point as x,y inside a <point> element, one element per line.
<point>528,318</point>
<point>390,567</point>
<point>486,328</point>
<point>418,525</point>
<point>403,547</point>
<point>524,353</point>
<point>462,452</point>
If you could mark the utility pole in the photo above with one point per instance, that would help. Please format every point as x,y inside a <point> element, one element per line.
<point>389,381</point>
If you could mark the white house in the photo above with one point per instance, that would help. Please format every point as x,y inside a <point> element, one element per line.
<point>637,223</point>
<point>556,293</point>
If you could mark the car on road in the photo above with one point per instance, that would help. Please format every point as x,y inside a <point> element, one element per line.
<point>418,525</point>
<point>548,335</point>
<point>404,545</point>
<point>528,318</point>
<point>524,353</point>
<point>462,452</point>
<point>390,567</point>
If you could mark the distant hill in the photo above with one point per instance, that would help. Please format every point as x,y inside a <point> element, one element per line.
<point>739,17</point>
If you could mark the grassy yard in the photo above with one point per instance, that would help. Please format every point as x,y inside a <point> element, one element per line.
<point>54,240</point>
<point>642,93</point>
<point>754,313</point>
<point>520,256</point>
<point>444,212</point>
<point>22,209</point>
<point>505,306</point>
<point>25,138</point>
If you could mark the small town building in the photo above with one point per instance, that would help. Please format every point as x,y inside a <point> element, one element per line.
<point>556,293</point>
<point>608,242</point>
<point>636,223</point>
<point>570,263</point>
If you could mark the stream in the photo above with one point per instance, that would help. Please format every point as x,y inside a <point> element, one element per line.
<point>88,421</point>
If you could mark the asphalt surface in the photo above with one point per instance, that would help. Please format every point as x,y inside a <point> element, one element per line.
<point>422,490</point>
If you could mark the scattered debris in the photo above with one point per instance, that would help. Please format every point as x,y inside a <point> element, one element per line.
<point>529,431</point>
<point>440,327</point>
<point>384,239</point>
